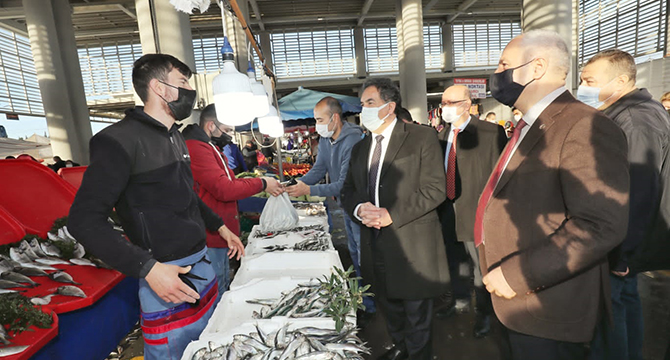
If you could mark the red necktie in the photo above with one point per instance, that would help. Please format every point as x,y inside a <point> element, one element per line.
<point>493,181</point>
<point>451,169</point>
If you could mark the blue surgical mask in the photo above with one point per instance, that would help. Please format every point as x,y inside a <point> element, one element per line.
<point>323,131</point>
<point>590,95</point>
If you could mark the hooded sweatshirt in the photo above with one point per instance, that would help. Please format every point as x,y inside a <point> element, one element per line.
<point>142,169</point>
<point>333,159</point>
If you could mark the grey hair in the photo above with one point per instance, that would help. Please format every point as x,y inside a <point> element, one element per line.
<point>388,91</point>
<point>548,45</point>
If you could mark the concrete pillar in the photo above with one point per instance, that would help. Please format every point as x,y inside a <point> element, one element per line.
<point>59,75</point>
<point>401,51</point>
<point>237,37</point>
<point>165,30</point>
<point>359,44</point>
<point>447,47</point>
<point>415,65</point>
<point>266,48</point>
<point>553,15</point>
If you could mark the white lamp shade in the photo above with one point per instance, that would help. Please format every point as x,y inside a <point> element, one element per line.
<point>277,129</point>
<point>233,98</point>
<point>268,123</point>
<point>260,101</point>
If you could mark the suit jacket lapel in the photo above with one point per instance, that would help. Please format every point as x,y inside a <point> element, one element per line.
<point>397,139</point>
<point>535,133</point>
<point>363,161</point>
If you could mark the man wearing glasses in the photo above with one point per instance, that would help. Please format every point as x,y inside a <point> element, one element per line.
<point>471,149</point>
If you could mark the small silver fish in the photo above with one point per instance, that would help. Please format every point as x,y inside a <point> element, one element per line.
<point>83,262</point>
<point>12,350</point>
<point>49,260</point>
<point>18,256</point>
<point>6,284</point>
<point>28,271</point>
<point>5,266</point>
<point>68,235</point>
<point>70,291</point>
<point>3,335</point>
<point>35,246</point>
<point>27,250</point>
<point>79,251</point>
<point>9,291</point>
<point>62,276</point>
<point>50,249</point>
<point>16,277</point>
<point>54,237</point>
<point>45,300</point>
<point>35,265</point>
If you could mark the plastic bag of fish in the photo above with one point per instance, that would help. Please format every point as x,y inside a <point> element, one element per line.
<point>306,343</point>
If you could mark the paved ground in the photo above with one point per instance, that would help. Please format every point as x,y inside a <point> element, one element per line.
<point>452,339</point>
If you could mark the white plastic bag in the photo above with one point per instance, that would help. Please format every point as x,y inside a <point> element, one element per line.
<point>278,214</point>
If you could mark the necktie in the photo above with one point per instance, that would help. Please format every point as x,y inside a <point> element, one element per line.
<point>493,181</point>
<point>374,168</point>
<point>451,169</point>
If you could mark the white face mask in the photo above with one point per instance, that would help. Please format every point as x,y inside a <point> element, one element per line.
<point>517,117</point>
<point>370,117</point>
<point>322,129</point>
<point>450,114</point>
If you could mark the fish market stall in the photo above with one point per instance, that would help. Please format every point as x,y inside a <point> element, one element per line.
<point>42,265</point>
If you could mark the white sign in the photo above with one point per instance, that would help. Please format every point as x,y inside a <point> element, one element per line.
<point>477,86</point>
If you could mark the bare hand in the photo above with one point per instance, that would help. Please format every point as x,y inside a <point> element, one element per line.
<point>235,246</point>
<point>273,187</point>
<point>165,282</point>
<point>367,213</point>
<point>621,274</point>
<point>298,189</point>
<point>496,284</point>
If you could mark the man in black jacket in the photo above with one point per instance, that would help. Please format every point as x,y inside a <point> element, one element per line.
<point>471,149</point>
<point>141,167</point>
<point>608,84</point>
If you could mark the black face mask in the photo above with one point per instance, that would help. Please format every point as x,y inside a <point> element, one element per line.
<point>183,106</point>
<point>504,89</point>
<point>222,141</point>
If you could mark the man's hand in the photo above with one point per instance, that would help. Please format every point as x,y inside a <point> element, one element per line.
<point>621,274</point>
<point>273,187</point>
<point>496,284</point>
<point>374,217</point>
<point>235,246</point>
<point>165,282</point>
<point>298,189</point>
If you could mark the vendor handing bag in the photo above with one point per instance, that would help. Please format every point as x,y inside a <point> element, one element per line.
<point>278,214</point>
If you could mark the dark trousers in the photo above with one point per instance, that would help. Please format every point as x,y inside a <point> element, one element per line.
<point>623,339</point>
<point>409,324</point>
<point>527,347</point>
<point>408,321</point>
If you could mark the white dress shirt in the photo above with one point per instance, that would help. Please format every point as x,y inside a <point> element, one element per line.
<point>450,140</point>
<point>385,144</point>
<point>531,116</point>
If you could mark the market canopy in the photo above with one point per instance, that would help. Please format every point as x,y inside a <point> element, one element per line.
<point>14,147</point>
<point>300,103</point>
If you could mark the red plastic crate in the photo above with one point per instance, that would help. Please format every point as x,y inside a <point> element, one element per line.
<point>35,338</point>
<point>73,175</point>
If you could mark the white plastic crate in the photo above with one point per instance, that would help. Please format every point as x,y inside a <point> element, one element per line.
<point>233,311</point>
<point>273,265</point>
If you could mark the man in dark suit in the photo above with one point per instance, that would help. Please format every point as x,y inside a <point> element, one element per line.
<point>393,187</point>
<point>471,149</point>
<point>554,206</point>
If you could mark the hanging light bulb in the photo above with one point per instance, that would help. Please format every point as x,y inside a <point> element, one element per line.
<point>260,102</point>
<point>265,123</point>
<point>277,129</point>
<point>233,98</point>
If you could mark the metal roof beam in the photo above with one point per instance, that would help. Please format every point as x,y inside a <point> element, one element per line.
<point>364,11</point>
<point>99,8</point>
<point>461,8</point>
<point>254,5</point>
<point>430,5</point>
<point>15,26</point>
<point>7,13</point>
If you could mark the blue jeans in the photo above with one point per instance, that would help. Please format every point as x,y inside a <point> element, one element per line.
<point>623,340</point>
<point>221,265</point>
<point>354,244</point>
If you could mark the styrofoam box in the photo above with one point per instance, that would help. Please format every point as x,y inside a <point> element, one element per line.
<point>256,246</point>
<point>314,220</point>
<point>303,264</point>
<point>233,310</point>
<point>224,338</point>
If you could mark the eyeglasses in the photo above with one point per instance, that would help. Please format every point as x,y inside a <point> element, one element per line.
<point>450,103</point>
